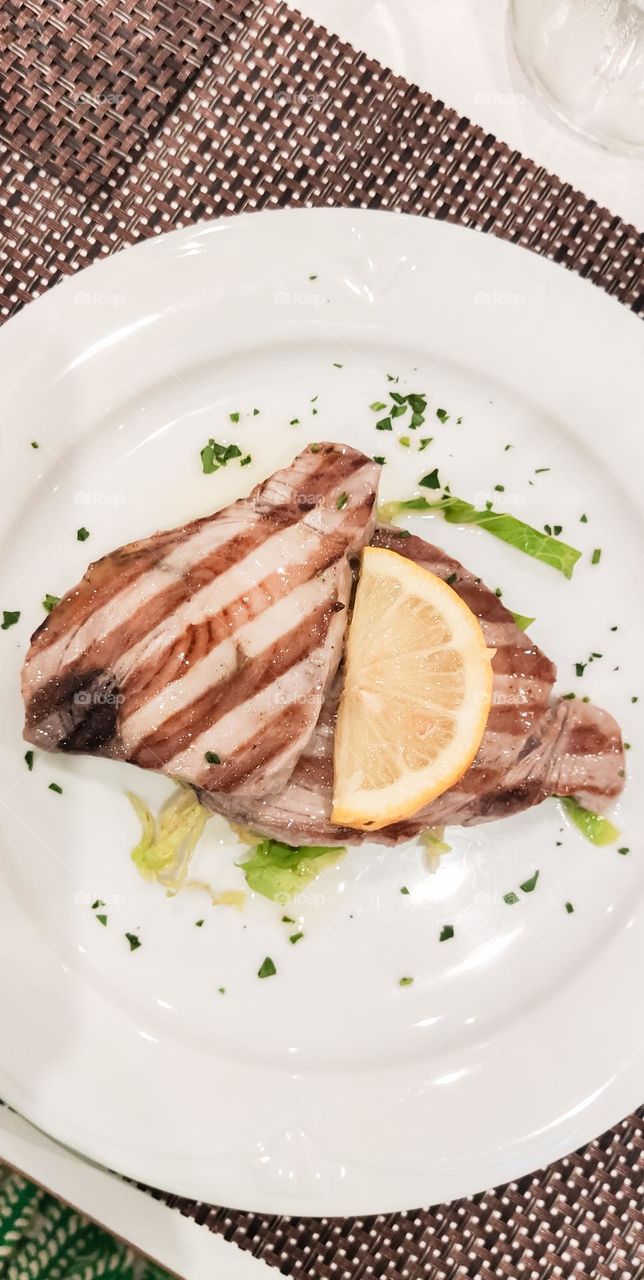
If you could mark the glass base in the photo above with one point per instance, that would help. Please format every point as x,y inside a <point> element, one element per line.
<point>530,74</point>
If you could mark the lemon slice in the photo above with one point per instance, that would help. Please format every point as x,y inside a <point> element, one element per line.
<point>416,698</point>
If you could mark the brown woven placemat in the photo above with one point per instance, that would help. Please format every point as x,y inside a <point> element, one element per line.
<point>125,118</point>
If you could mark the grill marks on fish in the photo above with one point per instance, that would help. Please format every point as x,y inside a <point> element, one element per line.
<point>232,625</point>
<point>532,747</point>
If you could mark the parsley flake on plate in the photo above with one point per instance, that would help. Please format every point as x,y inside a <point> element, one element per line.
<point>9,618</point>
<point>266,969</point>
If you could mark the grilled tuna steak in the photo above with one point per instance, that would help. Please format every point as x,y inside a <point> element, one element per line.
<point>206,652</point>
<point>532,748</point>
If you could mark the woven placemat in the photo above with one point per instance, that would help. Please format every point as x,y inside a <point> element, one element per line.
<point>126,118</point>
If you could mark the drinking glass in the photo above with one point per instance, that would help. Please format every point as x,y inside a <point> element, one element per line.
<point>586,57</point>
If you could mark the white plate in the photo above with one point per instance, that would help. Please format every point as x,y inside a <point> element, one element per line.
<point>328,1088</point>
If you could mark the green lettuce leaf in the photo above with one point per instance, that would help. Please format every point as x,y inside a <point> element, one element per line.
<point>541,546</point>
<point>595,828</point>
<point>279,871</point>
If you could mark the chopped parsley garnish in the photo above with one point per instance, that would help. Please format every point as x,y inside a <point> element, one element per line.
<point>214,456</point>
<point>614,628</point>
<point>401,533</point>
<point>315,448</point>
<point>99,903</point>
<point>498,592</point>
<point>377,406</point>
<point>221,990</point>
<point>101,919</point>
<point>506,447</point>
<point>624,849</point>
<point>34,444</point>
<point>417,404</point>
<point>199,924</point>
<point>29,760</point>
<point>256,411</point>
<point>596,556</point>
<point>384,425</point>
<point>337,365</point>
<point>245,460</point>
<point>53,786</point>
<point>580,667</point>
<point>295,422</point>
<point>287,920</point>
<point>379,458</point>
<point>398,399</point>
<point>510,898</point>
<point>212,757</point>
<point>430,481</point>
<point>404,441</point>
<point>404,889</point>
<point>569,908</point>
<point>451,578</point>
<point>405,982</point>
<point>529,885</point>
<point>295,937</point>
<point>442,415</point>
<point>634,698</point>
<point>266,969</point>
<point>398,410</point>
<point>234,417</point>
<point>499,488</point>
<point>312,277</point>
<point>342,501</point>
<point>423,443</point>
<point>583,519</point>
<point>446,933</point>
<point>538,471</point>
<point>82,534</point>
<point>568,697</point>
<point>134,942</point>
<point>522,621</point>
<point>390,378</point>
<point>9,618</point>
<point>50,602</point>
<point>508,528</point>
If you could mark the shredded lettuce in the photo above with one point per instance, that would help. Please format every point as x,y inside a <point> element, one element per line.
<point>592,825</point>
<point>168,841</point>
<point>541,546</point>
<point>434,847</point>
<point>521,621</point>
<point>279,871</point>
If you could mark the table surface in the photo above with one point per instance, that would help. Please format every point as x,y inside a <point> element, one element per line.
<point>458,50</point>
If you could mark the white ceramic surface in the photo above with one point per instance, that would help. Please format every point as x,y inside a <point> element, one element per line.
<point>328,1088</point>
